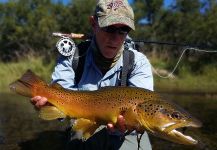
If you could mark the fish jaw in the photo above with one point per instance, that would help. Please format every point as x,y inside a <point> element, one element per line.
<point>172,134</point>
<point>180,138</point>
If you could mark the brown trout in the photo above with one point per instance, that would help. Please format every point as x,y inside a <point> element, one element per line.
<point>142,109</point>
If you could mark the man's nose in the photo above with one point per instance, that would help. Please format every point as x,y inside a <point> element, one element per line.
<point>116,37</point>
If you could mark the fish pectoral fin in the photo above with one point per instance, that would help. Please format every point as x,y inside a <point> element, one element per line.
<point>51,113</point>
<point>144,124</point>
<point>85,126</point>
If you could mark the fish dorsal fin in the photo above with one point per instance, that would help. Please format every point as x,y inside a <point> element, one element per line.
<point>51,113</point>
<point>56,86</point>
<point>86,127</point>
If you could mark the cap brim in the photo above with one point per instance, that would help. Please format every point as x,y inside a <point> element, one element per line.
<point>115,19</point>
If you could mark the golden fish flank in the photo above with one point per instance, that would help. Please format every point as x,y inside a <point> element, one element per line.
<point>142,109</point>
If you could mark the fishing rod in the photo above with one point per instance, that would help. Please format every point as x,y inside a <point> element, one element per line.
<point>66,47</point>
<point>164,43</point>
<point>87,36</point>
<point>72,35</point>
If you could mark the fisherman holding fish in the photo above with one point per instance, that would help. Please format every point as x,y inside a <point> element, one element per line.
<point>111,23</point>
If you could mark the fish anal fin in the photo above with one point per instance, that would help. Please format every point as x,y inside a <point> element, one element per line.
<point>51,113</point>
<point>85,126</point>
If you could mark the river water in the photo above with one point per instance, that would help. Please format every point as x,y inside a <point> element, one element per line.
<point>21,129</point>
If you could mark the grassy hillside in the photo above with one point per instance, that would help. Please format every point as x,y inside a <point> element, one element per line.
<point>189,82</point>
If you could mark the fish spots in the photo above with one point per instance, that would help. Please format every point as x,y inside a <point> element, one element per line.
<point>137,97</point>
<point>62,96</point>
<point>150,108</point>
<point>140,105</point>
<point>114,105</point>
<point>120,100</point>
<point>125,95</point>
<point>123,109</point>
<point>60,102</point>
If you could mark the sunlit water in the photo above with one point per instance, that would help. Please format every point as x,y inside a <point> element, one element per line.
<point>20,127</point>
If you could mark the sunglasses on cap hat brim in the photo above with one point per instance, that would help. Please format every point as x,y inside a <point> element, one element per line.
<point>113,29</point>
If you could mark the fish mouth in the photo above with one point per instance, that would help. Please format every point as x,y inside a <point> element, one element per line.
<point>175,132</point>
<point>183,139</point>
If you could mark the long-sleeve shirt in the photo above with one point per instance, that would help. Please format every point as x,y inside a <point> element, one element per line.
<point>93,79</point>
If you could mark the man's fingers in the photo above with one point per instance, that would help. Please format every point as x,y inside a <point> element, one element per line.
<point>110,127</point>
<point>38,101</point>
<point>35,99</point>
<point>42,101</point>
<point>121,123</point>
<point>121,120</point>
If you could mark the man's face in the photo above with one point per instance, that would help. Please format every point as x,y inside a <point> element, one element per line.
<point>110,39</point>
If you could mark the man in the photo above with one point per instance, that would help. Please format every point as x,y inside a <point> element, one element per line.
<point>112,21</point>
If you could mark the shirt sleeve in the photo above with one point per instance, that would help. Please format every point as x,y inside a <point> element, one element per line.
<point>141,75</point>
<point>63,73</point>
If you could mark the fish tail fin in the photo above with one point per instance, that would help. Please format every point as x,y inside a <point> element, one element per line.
<point>25,85</point>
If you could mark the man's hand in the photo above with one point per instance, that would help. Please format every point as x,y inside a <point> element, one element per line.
<point>120,125</point>
<point>39,101</point>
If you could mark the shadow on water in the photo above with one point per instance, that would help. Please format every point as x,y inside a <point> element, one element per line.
<point>21,129</point>
<point>54,140</point>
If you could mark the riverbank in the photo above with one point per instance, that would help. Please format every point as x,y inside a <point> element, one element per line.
<point>184,82</point>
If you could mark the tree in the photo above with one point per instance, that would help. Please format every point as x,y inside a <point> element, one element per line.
<point>26,25</point>
<point>76,16</point>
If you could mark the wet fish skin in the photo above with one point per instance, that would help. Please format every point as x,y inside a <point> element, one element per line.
<point>142,109</point>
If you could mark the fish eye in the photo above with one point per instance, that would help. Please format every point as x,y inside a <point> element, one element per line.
<point>176,115</point>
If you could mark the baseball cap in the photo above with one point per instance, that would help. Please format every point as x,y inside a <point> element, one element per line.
<point>110,12</point>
